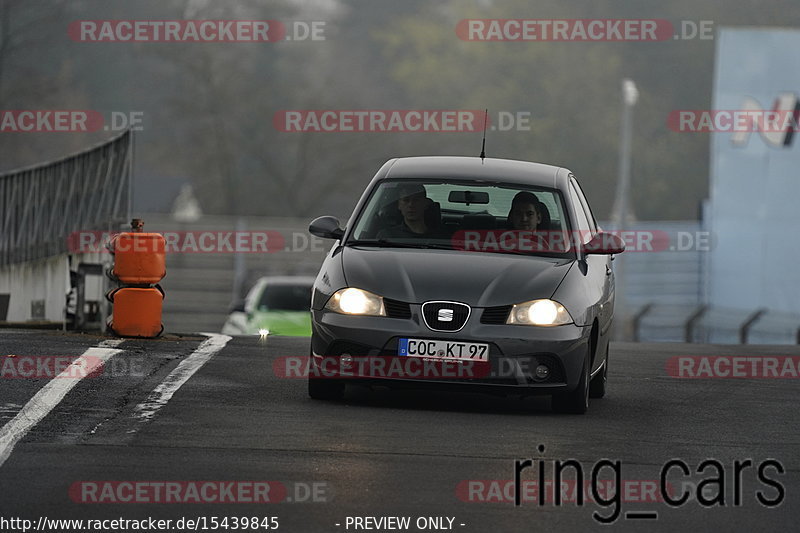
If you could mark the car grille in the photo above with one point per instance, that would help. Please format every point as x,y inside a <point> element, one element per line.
<point>495,315</point>
<point>396,309</point>
<point>445,316</point>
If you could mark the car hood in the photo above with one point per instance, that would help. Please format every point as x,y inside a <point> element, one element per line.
<point>475,278</point>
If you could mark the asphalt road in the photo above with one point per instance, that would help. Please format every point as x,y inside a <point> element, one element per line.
<point>428,456</point>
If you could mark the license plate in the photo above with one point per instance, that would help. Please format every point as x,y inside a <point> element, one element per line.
<point>471,351</point>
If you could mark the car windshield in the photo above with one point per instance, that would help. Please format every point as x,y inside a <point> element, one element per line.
<point>492,217</point>
<point>285,298</point>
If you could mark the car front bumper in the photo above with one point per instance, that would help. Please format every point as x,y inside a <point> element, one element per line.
<point>514,352</point>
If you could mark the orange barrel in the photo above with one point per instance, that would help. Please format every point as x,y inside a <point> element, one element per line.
<point>139,258</point>
<point>136,312</point>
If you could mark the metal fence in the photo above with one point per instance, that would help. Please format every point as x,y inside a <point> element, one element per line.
<point>714,325</point>
<point>664,298</point>
<point>40,206</point>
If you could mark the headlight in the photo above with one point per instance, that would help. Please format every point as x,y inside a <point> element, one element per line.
<point>352,301</point>
<point>539,313</point>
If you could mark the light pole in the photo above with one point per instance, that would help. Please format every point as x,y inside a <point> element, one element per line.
<point>630,94</point>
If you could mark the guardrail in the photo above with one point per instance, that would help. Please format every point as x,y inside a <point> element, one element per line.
<point>704,324</point>
<point>41,205</point>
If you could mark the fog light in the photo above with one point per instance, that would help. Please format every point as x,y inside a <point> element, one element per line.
<point>542,371</point>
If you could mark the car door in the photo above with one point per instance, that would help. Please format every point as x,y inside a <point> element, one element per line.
<point>596,269</point>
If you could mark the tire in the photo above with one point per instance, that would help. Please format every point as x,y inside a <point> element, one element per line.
<point>325,389</point>
<point>322,388</point>
<point>599,383</point>
<point>577,401</point>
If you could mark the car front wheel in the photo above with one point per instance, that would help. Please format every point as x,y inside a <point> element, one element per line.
<point>325,389</point>
<point>598,385</point>
<point>577,401</point>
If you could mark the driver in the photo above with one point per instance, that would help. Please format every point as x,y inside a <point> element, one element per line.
<point>525,216</point>
<point>412,202</point>
<point>526,212</point>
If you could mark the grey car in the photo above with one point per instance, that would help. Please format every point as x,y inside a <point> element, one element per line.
<point>492,268</point>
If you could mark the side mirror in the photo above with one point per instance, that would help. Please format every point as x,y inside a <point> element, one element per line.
<point>605,243</point>
<point>237,307</point>
<point>326,227</point>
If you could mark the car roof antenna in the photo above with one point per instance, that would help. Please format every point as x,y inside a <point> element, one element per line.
<point>483,146</point>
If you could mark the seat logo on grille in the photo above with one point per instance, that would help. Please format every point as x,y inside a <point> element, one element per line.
<point>445,315</point>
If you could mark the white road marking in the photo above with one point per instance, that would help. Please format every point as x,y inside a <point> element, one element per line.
<point>162,394</point>
<point>47,398</point>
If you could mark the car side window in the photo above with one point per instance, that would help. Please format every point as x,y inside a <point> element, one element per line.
<point>585,204</point>
<point>584,229</point>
